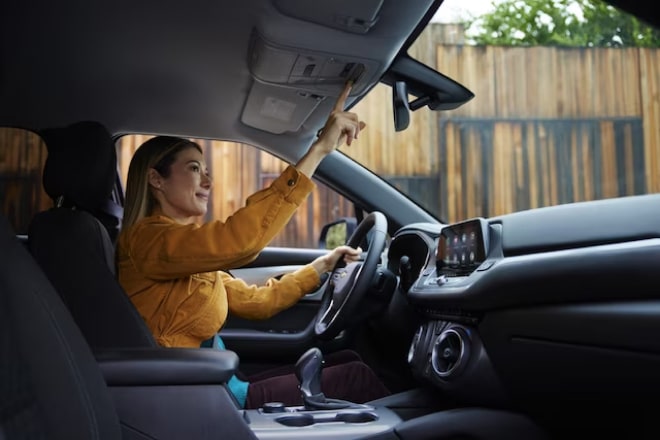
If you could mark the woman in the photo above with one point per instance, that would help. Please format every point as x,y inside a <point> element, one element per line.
<point>171,267</point>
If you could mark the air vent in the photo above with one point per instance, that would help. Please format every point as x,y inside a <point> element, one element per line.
<point>450,352</point>
<point>415,343</point>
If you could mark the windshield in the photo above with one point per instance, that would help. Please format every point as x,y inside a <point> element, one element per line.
<point>565,110</point>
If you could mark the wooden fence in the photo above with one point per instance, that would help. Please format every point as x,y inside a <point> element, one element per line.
<point>22,158</point>
<point>591,117</point>
<point>240,170</point>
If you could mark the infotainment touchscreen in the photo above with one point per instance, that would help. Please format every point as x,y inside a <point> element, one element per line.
<point>462,247</point>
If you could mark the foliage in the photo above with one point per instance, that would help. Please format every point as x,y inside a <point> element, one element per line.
<point>336,236</point>
<point>584,23</point>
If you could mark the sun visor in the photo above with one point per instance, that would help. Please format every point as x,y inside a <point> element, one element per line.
<point>357,16</point>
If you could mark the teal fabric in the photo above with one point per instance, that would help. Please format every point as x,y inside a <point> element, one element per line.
<point>237,387</point>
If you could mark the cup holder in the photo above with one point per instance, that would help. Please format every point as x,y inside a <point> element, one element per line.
<point>356,417</point>
<point>306,419</point>
<point>296,420</point>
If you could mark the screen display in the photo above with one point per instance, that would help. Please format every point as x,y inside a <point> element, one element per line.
<point>461,247</point>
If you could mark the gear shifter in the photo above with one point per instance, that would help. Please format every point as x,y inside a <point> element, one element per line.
<point>308,371</point>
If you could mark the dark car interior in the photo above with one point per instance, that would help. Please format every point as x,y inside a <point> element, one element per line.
<point>545,330</point>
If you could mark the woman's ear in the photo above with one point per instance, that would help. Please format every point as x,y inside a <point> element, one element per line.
<point>154,178</point>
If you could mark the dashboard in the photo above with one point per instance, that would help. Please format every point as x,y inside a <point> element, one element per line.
<point>549,306</point>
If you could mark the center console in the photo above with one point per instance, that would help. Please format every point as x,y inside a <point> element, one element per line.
<point>446,350</point>
<point>322,416</point>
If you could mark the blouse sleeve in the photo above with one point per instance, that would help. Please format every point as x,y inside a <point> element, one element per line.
<point>262,302</point>
<point>163,249</point>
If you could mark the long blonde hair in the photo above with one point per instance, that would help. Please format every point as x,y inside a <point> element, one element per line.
<point>158,153</point>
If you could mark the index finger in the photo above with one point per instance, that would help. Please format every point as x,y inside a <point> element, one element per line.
<point>341,100</point>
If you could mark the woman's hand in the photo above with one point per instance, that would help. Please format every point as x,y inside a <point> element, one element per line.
<point>328,262</point>
<point>341,127</point>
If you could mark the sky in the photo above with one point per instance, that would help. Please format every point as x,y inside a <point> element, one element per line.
<point>455,10</point>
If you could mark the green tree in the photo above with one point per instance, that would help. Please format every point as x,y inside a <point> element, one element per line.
<point>584,23</point>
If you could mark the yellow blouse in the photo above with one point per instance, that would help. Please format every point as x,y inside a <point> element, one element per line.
<point>172,272</point>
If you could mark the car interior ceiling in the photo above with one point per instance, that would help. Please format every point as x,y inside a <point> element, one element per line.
<point>196,113</point>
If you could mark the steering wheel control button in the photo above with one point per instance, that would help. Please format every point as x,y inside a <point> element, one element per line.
<point>274,407</point>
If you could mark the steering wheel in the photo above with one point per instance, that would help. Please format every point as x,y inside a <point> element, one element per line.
<point>349,284</point>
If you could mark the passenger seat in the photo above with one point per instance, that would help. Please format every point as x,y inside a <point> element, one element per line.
<point>53,387</point>
<point>74,247</point>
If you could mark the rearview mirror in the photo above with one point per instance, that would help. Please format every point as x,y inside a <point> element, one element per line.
<point>430,88</point>
<point>400,106</point>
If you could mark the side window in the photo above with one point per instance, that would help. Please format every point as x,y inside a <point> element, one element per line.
<point>22,159</point>
<point>238,171</point>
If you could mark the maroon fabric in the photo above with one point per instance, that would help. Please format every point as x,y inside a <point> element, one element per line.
<point>335,358</point>
<point>353,381</point>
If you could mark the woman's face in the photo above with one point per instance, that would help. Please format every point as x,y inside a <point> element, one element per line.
<point>184,194</point>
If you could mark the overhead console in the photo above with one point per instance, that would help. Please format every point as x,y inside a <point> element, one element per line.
<point>316,72</point>
<point>290,83</point>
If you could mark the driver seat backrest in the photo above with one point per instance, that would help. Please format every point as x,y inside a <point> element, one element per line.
<point>71,244</point>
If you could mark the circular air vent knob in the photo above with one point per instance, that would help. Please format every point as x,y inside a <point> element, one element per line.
<point>450,352</point>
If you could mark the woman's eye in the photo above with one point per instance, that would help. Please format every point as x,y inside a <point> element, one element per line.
<point>195,168</point>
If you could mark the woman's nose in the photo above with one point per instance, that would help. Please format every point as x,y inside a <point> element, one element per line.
<point>207,181</point>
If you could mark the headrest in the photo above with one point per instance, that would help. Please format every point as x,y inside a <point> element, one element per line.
<point>81,165</point>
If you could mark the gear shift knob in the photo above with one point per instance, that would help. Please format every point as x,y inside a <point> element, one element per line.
<point>308,371</point>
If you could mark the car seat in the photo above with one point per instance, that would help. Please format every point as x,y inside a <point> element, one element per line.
<point>74,247</point>
<point>52,386</point>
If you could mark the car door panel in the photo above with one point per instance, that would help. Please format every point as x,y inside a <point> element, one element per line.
<point>283,337</point>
